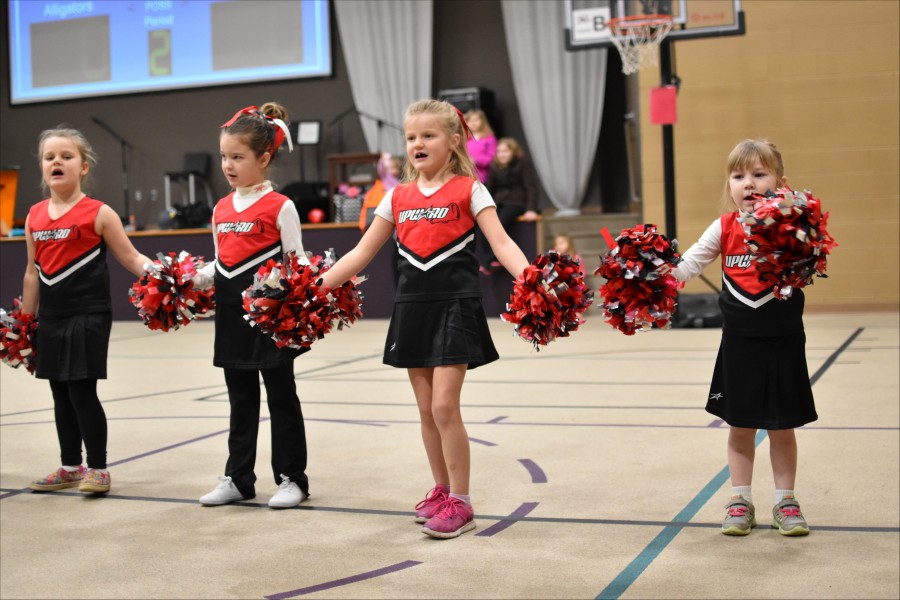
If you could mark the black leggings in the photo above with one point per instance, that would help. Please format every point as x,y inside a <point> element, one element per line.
<point>79,417</point>
<point>288,430</point>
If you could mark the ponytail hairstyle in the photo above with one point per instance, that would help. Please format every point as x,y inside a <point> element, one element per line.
<point>264,129</point>
<point>84,148</point>
<point>745,155</point>
<point>453,123</point>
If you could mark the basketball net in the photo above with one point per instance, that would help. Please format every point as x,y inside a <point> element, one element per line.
<point>637,39</point>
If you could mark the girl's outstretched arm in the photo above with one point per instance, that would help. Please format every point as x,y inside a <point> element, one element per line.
<point>356,260</point>
<point>505,249</point>
<point>110,228</point>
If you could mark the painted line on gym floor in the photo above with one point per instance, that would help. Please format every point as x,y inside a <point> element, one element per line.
<point>345,581</point>
<point>636,567</point>
<point>482,442</point>
<point>387,422</point>
<point>715,423</point>
<point>524,509</point>
<point>27,492</point>
<point>498,419</point>
<point>537,474</point>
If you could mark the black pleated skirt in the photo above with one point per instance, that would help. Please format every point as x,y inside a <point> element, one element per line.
<point>440,332</point>
<point>72,348</point>
<point>762,383</point>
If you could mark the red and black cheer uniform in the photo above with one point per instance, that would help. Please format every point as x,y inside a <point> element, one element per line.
<point>245,241</point>
<point>438,316</point>
<point>75,312</point>
<point>761,379</point>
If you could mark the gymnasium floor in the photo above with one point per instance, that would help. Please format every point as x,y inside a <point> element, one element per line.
<point>595,473</point>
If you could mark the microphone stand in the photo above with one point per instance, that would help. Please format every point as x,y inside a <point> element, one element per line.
<point>125,145</point>
<point>379,122</point>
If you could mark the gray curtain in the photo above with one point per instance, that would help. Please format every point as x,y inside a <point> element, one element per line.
<point>560,97</point>
<point>387,47</point>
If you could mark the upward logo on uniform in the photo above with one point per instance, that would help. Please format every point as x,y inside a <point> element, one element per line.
<point>738,261</point>
<point>241,227</point>
<point>435,216</point>
<point>58,235</point>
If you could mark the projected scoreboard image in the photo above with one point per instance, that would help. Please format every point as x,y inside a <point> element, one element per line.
<point>77,49</point>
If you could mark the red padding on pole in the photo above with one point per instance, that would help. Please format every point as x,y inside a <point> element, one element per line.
<point>663,105</point>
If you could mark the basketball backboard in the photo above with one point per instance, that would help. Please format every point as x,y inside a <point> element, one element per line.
<point>586,20</point>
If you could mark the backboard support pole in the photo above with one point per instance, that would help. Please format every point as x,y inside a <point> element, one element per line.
<point>668,141</point>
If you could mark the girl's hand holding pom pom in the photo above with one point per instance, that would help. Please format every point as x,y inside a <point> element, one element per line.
<point>172,293</point>
<point>640,291</point>
<point>17,330</point>
<point>786,233</point>
<point>288,302</point>
<point>548,299</point>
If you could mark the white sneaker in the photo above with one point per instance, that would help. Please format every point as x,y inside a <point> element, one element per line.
<point>225,493</point>
<point>288,495</point>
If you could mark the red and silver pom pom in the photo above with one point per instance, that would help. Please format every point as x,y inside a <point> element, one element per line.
<point>548,299</point>
<point>166,296</point>
<point>639,293</point>
<point>786,233</point>
<point>17,331</point>
<point>287,302</point>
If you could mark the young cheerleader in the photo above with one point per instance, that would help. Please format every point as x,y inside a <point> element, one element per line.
<point>761,380</point>
<point>67,281</point>
<point>251,225</point>
<point>438,328</point>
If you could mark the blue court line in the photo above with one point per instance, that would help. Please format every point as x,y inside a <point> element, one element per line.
<point>640,563</point>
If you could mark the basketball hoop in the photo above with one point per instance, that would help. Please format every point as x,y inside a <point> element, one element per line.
<point>637,39</point>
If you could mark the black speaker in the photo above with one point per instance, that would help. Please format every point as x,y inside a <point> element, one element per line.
<point>307,196</point>
<point>473,98</point>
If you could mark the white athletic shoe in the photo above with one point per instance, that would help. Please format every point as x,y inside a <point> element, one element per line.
<point>225,493</point>
<point>288,495</point>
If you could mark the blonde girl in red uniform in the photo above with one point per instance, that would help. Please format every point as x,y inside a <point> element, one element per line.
<point>66,285</point>
<point>438,328</point>
<point>761,380</point>
<point>251,225</point>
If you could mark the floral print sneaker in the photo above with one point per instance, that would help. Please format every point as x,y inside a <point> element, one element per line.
<point>95,482</point>
<point>58,480</point>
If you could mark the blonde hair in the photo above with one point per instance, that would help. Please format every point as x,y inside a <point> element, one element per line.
<point>486,129</point>
<point>745,155</point>
<point>572,251</point>
<point>460,162</point>
<point>513,146</point>
<point>81,143</point>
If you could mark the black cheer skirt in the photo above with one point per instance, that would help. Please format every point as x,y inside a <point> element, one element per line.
<point>762,383</point>
<point>440,332</point>
<point>72,348</point>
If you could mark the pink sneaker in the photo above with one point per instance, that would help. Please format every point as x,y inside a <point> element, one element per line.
<point>433,499</point>
<point>454,517</point>
<point>58,480</point>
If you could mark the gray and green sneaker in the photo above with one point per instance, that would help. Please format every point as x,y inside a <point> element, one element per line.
<point>788,519</point>
<point>740,516</point>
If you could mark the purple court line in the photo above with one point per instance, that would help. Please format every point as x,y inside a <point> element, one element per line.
<point>171,446</point>
<point>345,581</point>
<point>482,442</point>
<point>716,423</point>
<point>348,421</point>
<point>524,509</point>
<point>497,419</point>
<point>537,474</point>
<point>405,514</point>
